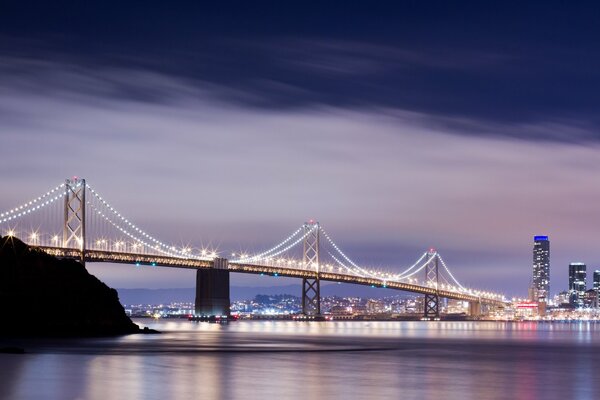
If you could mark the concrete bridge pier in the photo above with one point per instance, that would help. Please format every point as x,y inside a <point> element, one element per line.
<point>212,289</point>
<point>475,308</point>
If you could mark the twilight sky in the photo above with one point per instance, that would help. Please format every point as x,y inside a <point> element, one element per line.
<point>466,126</point>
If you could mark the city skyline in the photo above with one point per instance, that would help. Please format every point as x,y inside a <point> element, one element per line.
<point>384,136</point>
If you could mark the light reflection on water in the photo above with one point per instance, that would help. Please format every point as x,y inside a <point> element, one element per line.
<point>296,360</point>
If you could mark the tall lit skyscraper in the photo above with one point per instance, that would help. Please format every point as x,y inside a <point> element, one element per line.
<point>541,267</point>
<point>596,286</point>
<point>577,275</point>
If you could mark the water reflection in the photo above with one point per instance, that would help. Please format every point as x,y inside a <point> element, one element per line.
<point>292,360</point>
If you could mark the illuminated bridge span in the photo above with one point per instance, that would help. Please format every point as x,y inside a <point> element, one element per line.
<point>74,221</point>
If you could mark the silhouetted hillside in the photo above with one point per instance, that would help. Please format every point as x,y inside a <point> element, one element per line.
<point>45,296</point>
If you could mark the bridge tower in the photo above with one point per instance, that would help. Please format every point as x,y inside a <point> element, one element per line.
<point>432,301</point>
<point>74,222</point>
<point>311,287</point>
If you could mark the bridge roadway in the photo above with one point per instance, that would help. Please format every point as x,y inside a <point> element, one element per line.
<point>187,263</point>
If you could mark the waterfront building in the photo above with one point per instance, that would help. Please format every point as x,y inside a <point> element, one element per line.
<point>375,306</point>
<point>562,299</point>
<point>596,286</point>
<point>591,299</point>
<point>541,268</point>
<point>577,286</point>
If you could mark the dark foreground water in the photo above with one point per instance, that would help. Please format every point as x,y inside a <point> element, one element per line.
<point>318,360</point>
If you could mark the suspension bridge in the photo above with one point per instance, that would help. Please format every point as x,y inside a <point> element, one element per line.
<point>73,220</point>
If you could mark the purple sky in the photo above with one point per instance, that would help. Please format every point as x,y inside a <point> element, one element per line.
<point>204,159</point>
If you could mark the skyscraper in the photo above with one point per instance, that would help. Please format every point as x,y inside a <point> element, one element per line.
<point>541,267</point>
<point>596,286</point>
<point>577,275</point>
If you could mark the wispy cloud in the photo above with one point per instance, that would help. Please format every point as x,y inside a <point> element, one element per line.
<point>387,182</point>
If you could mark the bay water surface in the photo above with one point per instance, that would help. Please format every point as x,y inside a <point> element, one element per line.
<point>313,360</point>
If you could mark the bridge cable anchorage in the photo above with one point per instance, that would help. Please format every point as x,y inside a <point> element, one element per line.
<point>31,206</point>
<point>169,249</point>
<point>273,249</point>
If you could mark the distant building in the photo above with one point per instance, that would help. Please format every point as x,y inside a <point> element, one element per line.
<point>375,306</point>
<point>340,310</point>
<point>590,298</point>
<point>359,310</point>
<point>526,309</point>
<point>541,267</point>
<point>533,293</point>
<point>457,306</point>
<point>562,299</point>
<point>577,286</point>
<point>596,286</point>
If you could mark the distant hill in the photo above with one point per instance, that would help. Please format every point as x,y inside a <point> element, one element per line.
<point>163,296</point>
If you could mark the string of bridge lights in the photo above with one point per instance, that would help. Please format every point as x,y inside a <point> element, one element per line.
<point>174,251</point>
<point>271,250</point>
<point>405,275</point>
<point>31,206</point>
<point>341,252</point>
<point>170,252</point>
<point>450,273</point>
<point>402,274</point>
<point>285,249</point>
<point>345,266</point>
<point>418,269</point>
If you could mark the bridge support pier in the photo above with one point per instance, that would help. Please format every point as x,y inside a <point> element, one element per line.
<point>212,289</point>
<point>432,307</point>
<point>311,296</point>
<point>474,308</point>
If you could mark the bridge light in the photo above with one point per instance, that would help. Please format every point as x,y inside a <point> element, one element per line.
<point>11,233</point>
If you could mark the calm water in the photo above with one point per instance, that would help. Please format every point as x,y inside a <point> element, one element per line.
<point>319,360</point>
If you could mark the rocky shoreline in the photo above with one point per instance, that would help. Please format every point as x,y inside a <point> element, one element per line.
<point>43,296</point>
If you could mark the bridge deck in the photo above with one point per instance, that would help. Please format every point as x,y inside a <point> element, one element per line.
<point>185,263</point>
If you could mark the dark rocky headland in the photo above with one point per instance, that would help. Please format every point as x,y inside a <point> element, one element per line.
<point>43,296</point>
